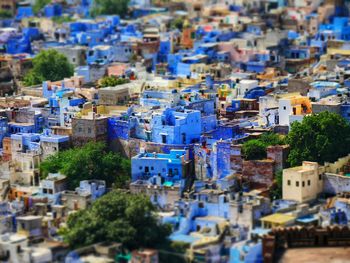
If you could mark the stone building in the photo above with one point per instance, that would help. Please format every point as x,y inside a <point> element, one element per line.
<point>89,128</point>
<point>303,183</point>
<point>336,179</point>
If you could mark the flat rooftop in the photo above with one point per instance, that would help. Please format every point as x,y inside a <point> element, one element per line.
<point>319,255</point>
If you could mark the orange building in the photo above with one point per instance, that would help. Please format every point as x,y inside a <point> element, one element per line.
<point>187,38</point>
<point>6,143</point>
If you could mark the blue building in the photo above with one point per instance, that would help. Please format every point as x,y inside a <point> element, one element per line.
<point>174,127</point>
<point>53,10</point>
<point>160,168</point>
<point>322,89</point>
<point>103,54</point>
<point>3,129</point>
<point>18,44</point>
<point>26,121</point>
<point>345,111</point>
<point>26,141</point>
<point>24,12</point>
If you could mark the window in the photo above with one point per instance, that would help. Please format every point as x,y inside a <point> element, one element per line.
<point>89,130</point>
<point>320,177</point>
<point>152,168</point>
<point>288,182</point>
<point>308,182</point>
<point>163,138</point>
<point>297,183</point>
<point>140,167</point>
<point>303,183</point>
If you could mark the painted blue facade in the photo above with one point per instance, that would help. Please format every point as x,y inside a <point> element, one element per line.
<point>297,53</point>
<point>340,29</point>
<point>159,168</point>
<point>18,44</point>
<point>53,10</point>
<point>102,54</point>
<point>3,129</point>
<point>255,93</point>
<point>24,12</point>
<point>172,127</point>
<point>345,111</point>
<point>223,158</point>
<point>34,125</point>
<point>31,141</point>
<point>164,50</point>
<point>118,127</point>
<point>28,141</point>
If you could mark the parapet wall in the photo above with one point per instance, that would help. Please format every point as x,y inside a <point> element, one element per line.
<point>335,167</point>
<point>295,237</point>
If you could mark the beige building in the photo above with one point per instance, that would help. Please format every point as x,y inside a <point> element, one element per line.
<point>303,183</point>
<point>118,95</point>
<point>89,128</point>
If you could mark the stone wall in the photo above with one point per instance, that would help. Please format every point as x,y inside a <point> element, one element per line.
<point>337,166</point>
<point>318,107</point>
<point>298,85</point>
<point>334,183</point>
<point>236,160</point>
<point>259,173</point>
<point>279,154</point>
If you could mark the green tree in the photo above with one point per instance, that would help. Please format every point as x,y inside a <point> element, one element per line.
<point>40,4</point>
<point>92,161</point>
<point>117,216</point>
<point>256,149</point>
<point>276,191</point>
<point>177,23</point>
<point>5,14</point>
<point>271,139</point>
<point>112,81</point>
<point>322,137</point>
<point>110,7</point>
<point>48,65</point>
